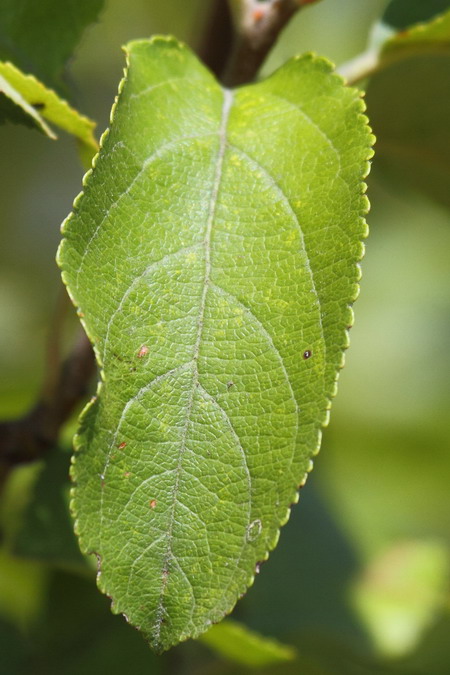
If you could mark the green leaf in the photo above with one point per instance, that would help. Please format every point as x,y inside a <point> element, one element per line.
<point>401,14</point>
<point>413,85</point>
<point>213,258</point>
<point>33,102</point>
<point>236,642</point>
<point>430,37</point>
<point>46,531</point>
<point>402,592</point>
<point>39,37</point>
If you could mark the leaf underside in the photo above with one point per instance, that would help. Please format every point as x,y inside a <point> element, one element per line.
<point>213,258</point>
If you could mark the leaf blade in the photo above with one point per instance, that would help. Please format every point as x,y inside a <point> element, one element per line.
<point>412,81</point>
<point>237,339</point>
<point>40,103</point>
<point>235,642</point>
<point>39,37</point>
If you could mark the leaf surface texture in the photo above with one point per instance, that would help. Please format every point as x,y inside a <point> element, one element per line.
<point>213,258</point>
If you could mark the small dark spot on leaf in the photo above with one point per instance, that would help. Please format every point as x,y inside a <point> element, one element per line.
<point>230,384</point>
<point>307,354</point>
<point>122,445</point>
<point>152,503</point>
<point>143,351</point>
<point>38,106</point>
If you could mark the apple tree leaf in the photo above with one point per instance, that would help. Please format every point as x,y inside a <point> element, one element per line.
<point>213,258</point>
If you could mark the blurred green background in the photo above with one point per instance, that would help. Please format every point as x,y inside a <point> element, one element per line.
<point>359,582</point>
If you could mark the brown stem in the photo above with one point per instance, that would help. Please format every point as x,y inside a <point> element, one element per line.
<point>258,25</point>
<point>30,437</point>
<point>218,37</point>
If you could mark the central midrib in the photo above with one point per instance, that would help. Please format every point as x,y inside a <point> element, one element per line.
<point>226,107</point>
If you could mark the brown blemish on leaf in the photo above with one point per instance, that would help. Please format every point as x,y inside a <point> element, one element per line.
<point>307,354</point>
<point>143,351</point>
<point>122,445</point>
<point>127,474</point>
<point>152,503</point>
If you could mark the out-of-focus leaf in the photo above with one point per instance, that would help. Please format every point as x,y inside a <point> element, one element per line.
<point>73,633</point>
<point>22,587</point>
<point>34,103</point>
<point>236,642</point>
<point>430,37</point>
<point>213,257</point>
<point>401,14</point>
<point>12,655</point>
<point>409,103</point>
<point>402,592</point>
<point>46,532</point>
<point>410,107</point>
<point>39,36</point>
<point>78,634</point>
<point>432,654</point>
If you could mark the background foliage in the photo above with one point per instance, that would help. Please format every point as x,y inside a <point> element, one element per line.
<point>359,581</point>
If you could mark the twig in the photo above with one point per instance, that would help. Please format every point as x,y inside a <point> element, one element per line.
<point>360,67</point>
<point>53,355</point>
<point>30,437</point>
<point>257,26</point>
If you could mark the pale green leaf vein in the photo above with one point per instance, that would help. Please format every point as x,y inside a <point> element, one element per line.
<point>293,215</point>
<point>153,157</point>
<point>313,124</point>
<point>170,80</point>
<point>249,480</point>
<point>227,102</point>
<point>153,266</point>
<point>123,415</point>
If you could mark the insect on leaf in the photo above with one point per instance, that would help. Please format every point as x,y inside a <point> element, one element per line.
<point>213,256</point>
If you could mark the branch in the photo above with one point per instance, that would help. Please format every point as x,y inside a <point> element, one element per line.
<point>257,25</point>
<point>218,36</point>
<point>30,437</point>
